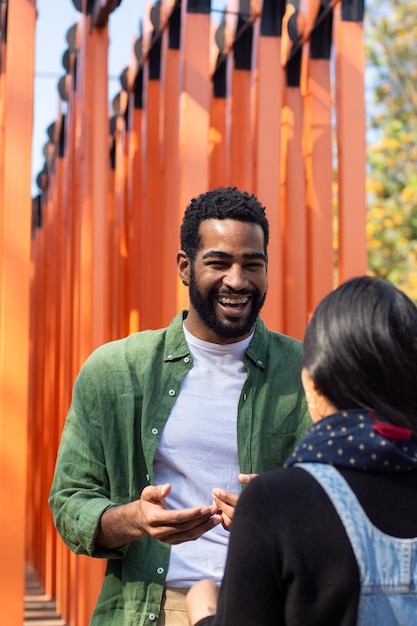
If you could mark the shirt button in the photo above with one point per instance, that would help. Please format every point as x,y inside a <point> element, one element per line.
<point>244,396</point>
<point>260,362</point>
<point>147,477</point>
<point>152,617</point>
<point>171,392</point>
<point>154,431</point>
<point>186,359</point>
<point>160,570</point>
<point>170,356</point>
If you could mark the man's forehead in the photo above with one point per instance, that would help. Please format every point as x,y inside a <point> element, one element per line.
<point>228,227</point>
<point>231,237</point>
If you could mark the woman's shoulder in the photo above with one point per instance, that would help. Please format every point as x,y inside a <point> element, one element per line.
<point>283,479</point>
<point>292,485</point>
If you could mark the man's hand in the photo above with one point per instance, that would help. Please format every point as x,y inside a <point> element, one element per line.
<point>173,526</point>
<point>120,525</point>
<point>226,501</point>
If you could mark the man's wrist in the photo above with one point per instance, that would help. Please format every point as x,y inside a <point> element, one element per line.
<point>117,528</point>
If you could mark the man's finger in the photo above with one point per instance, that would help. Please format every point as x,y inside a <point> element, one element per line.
<point>246,478</point>
<point>178,535</point>
<point>225,496</point>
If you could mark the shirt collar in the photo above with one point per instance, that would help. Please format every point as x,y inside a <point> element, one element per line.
<point>176,346</point>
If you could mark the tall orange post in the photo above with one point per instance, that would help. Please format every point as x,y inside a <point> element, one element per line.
<point>15,259</point>
<point>152,214</point>
<point>93,145</point>
<point>120,229</point>
<point>270,80</point>
<point>219,138</point>
<point>351,138</point>
<point>63,378</point>
<point>294,193</point>
<point>49,433</point>
<point>65,172</point>
<point>219,146</point>
<point>195,106</point>
<point>36,304</point>
<point>37,374</point>
<point>3,85</point>
<point>170,156</point>
<point>241,126</point>
<point>113,274</point>
<point>134,191</point>
<point>91,252</point>
<point>318,153</point>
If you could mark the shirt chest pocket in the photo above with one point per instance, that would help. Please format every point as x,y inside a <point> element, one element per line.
<point>278,447</point>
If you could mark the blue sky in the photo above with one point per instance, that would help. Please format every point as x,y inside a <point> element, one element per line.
<point>55,18</point>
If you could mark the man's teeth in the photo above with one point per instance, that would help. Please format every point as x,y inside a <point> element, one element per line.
<point>233,300</point>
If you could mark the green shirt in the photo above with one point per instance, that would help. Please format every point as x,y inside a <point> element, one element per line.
<point>121,401</point>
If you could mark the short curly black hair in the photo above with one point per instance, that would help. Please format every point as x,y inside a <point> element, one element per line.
<point>220,204</point>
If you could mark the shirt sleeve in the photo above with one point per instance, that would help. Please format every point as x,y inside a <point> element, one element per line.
<point>80,489</point>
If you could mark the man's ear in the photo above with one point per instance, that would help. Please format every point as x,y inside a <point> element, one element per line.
<point>308,383</point>
<point>183,265</point>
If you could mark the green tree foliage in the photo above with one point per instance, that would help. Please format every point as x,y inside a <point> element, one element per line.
<point>391,29</point>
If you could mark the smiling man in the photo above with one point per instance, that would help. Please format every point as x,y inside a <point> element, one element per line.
<point>165,426</point>
<point>227,277</point>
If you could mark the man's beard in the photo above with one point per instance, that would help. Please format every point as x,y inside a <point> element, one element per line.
<point>235,328</point>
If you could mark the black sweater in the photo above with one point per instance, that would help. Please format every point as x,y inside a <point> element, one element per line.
<point>290,561</point>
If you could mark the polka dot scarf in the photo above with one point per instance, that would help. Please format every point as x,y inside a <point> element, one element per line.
<point>359,440</point>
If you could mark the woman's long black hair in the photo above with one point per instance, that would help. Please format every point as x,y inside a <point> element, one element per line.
<point>360,349</point>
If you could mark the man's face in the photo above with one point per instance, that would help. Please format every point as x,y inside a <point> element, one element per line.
<point>227,280</point>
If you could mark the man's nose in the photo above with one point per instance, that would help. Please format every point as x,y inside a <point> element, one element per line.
<point>235,277</point>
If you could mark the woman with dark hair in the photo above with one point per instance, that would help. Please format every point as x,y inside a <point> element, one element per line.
<point>331,539</point>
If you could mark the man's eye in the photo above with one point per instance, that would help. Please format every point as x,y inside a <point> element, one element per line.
<point>255,266</point>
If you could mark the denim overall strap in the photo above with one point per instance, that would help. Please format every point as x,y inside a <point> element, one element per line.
<point>387,565</point>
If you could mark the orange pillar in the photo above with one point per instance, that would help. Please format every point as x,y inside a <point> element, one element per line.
<point>35,304</point>
<point>55,379</point>
<point>170,160</point>
<point>65,329</point>
<point>15,245</point>
<point>119,232</point>
<point>135,199</point>
<point>91,253</point>
<point>93,146</point>
<point>66,170</point>
<point>48,419</point>
<point>3,85</point>
<point>37,372</point>
<point>318,155</point>
<point>268,151</point>
<point>195,107</point>
<point>152,214</point>
<point>294,199</point>
<point>219,138</point>
<point>113,265</point>
<point>351,136</point>
<point>219,147</point>
<point>241,136</point>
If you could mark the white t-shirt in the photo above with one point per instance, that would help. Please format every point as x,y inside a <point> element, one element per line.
<point>198,451</point>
